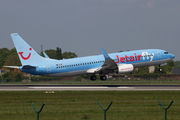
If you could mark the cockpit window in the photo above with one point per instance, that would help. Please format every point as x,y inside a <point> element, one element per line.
<point>165,52</point>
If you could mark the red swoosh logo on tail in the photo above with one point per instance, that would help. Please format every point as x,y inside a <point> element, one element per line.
<point>25,58</point>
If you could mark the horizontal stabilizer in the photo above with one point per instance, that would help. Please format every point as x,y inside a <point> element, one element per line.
<point>13,66</point>
<point>23,67</point>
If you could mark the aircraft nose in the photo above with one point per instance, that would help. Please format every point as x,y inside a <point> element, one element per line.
<point>172,56</point>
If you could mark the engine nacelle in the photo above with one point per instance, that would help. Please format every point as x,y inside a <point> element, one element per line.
<point>125,68</point>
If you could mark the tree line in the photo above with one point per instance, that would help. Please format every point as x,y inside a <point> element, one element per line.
<point>57,54</point>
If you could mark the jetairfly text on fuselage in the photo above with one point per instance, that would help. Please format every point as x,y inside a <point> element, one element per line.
<point>134,58</point>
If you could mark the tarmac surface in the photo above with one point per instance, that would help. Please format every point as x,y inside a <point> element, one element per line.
<point>88,87</point>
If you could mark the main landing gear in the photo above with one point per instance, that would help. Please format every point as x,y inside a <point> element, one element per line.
<point>93,78</point>
<point>103,78</point>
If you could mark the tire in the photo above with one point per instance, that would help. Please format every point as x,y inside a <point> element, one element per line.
<point>103,78</point>
<point>93,78</point>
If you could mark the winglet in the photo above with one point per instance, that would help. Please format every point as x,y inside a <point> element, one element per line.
<point>106,56</point>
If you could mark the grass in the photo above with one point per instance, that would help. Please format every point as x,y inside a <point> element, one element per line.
<point>82,105</point>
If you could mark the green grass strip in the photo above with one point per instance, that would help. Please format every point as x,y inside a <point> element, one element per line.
<point>80,105</point>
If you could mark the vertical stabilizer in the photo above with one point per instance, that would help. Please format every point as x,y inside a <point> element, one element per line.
<point>27,55</point>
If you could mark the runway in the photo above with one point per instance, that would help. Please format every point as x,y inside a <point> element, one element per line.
<point>88,87</point>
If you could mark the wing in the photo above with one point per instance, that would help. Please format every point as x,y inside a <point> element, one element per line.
<point>109,65</point>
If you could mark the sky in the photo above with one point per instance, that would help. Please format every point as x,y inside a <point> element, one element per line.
<point>84,26</point>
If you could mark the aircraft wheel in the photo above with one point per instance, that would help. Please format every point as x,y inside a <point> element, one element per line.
<point>93,78</point>
<point>103,77</point>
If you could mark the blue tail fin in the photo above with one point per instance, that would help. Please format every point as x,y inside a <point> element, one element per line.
<point>27,55</point>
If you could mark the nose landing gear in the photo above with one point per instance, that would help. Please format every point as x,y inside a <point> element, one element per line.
<point>160,69</point>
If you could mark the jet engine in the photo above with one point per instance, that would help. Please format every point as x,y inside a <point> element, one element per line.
<point>125,68</point>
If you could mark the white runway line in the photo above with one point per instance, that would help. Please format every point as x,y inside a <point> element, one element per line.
<point>77,87</point>
<point>124,87</point>
<point>69,87</point>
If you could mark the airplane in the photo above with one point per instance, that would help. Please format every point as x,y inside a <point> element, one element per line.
<point>120,62</point>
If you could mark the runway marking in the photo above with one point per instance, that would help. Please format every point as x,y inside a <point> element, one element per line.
<point>88,88</point>
<point>124,87</point>
<point>77,87</point>
<point>69,87</point>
